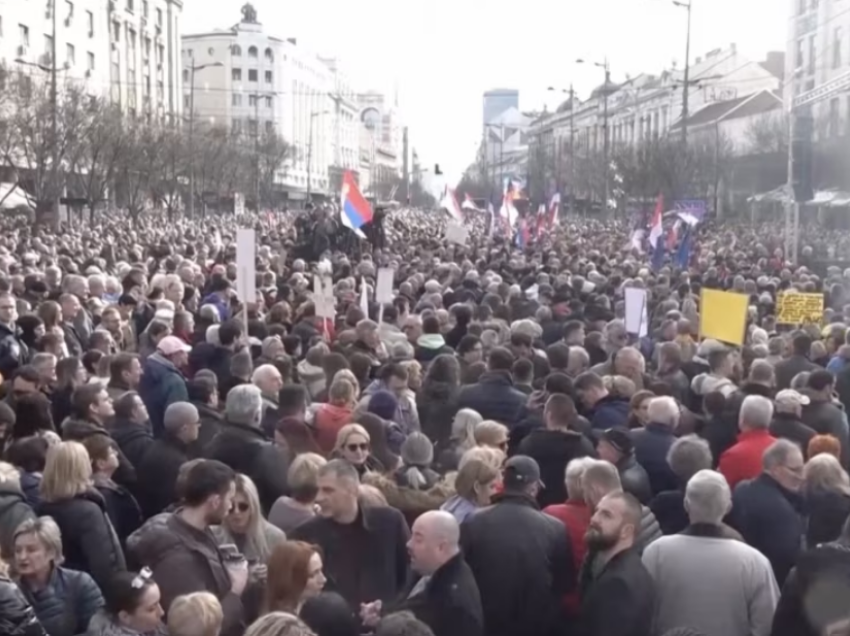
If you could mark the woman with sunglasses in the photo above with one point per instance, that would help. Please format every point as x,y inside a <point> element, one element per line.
<point>354,445</point>
<point>245,526</point>
<point>132,607</point>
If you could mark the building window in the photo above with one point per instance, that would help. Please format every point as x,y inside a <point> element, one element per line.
<point>269,77</point>
<point>252,75</point>
<point>159,17</point>
<point>48,45</point>
<point>269,127</point>
<point>147,49</point>
<point>252,51</point>
<point>812,51</point>
<point>90,60</point>
<point>186,101</point>
<point>236,99</point>
<point>836,47</point>
<point>236,51</point>
<point>145,8</point>
<point>252,126</point>
<point>268,101</point>
<point>236,126</point>
<point>186,75</point>
<point>130,5</point>
<point>252,100</point>
<point>269,55</point>
<point>116,32</point>
<point>70,54</point>
<point>236,74</point>
<point>90,23</point>
<point>800,58</point>
<point>24,34</point>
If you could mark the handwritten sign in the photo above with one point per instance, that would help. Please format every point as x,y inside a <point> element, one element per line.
<point>795,308</point>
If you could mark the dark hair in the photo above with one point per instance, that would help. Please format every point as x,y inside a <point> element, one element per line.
<point>559,383</point>
<point>501,359</point>
<point>521,340</point>
<point>66,370</point>
<point>125,590</point>
<point>90,360</point>
<point>291,343</point>
<point>229,332</point>
<point>444,368</point>
<point>572,326</point>
<point>7,414</point>
<point>561,409</point>
<point>98,447</point>
<point>821,379</point>
<point>328,614</point>
<point>201,388</point>
<point>32,415</point>
<point>559,355</point>
<point>430,325</point>
<point>125,404</point>
<point>120,363</point>
<point>588,380</point>
<point>467,344</point>
<point>292,400</point>
<point>28,453</point>
<point>208,478</point>
<point>27,373</point>
<point>522,370</point>
<point>393,369</point>
<point>84,397</point>
<point>801,343</point>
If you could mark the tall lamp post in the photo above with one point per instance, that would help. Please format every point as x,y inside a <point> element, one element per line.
<point>571,92</point>
<point>605,143</point>
<point>313,116</point>
<point>193,69</point>
<point>686,4</point>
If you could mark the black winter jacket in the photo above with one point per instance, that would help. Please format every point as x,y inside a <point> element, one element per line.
<point>494,397</point>
<point>17,617</point>
<point>553,450</point>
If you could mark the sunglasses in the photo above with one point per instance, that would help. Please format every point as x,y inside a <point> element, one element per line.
<point>356,447</point>
<point>242,506</point>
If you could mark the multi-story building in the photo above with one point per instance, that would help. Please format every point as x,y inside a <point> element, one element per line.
<point>254,83</point>
<point>144,56</point>
<point>497,101</point>
<point>819,51</point>
<point>381,139</point>
<point>82,40</point>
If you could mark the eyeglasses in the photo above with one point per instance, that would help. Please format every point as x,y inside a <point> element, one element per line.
<point>356,447</point>
<point>141,578</point>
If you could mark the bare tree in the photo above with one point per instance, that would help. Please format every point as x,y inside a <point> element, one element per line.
<point>273,156</point>
<point>768,133</point>
<point>214,152</point>
<point>138,167</point>
<point>93,167</point>
<point>170,180</point>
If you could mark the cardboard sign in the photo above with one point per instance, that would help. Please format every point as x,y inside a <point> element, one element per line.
<point>796,308</point>
<point>246,263</point>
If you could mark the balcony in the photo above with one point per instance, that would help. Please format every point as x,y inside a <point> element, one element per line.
<point>805,24</point>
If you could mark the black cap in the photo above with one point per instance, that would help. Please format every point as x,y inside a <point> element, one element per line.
<point>620,439</point>
<point>520,471</point>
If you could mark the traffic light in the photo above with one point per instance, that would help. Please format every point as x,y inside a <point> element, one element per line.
<point>437,170</point>
<point>802,142</point>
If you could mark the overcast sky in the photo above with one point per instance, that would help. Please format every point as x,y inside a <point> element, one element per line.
<point>445,53</point>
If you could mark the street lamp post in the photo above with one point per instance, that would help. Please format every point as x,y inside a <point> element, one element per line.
<point>686,4</point>
<point>313,115</point>
<point>605,144</point>
<point>193,69</point>
<point>572,98</point>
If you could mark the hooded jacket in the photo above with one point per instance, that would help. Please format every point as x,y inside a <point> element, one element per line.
<point>553,450</point>
<point>429,346</point>
<point>162,384</point>
<point>327,422</point>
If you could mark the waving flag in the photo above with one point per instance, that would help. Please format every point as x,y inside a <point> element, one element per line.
<point>554,206</point>
<point>354,210</point>
<point>449,204</point>
<point>656,228</point>
<point>468,203</point>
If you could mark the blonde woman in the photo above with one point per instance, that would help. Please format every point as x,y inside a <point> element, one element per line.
<point>279,624</point>
<point>89,542</point>
<point>492,434</point>
<point>492,456</point>
<point>461,440</point>
<point>64,600</point>
<point>17,616</point>
<point>354,445</point>
<point>302,478</point>
<point>475,483</point>
<point>197,614</point>
<point>827,493</point>
<point>245,526</point>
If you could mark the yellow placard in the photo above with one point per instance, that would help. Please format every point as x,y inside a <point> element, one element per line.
<point>723,316</point>
<point>796,308</point>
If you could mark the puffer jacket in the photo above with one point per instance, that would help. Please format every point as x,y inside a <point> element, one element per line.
<point>67,604</point>
<point>17,617</point>
<point>649,529</point>
<point>14,510</point>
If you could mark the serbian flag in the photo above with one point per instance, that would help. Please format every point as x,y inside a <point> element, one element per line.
<point>522,234</point>
<point>554,206</point>
<point>656,228</point>
<point>449,204</point>
<point>468,203</point>
<point>541,217</point>
<point>354,210</point>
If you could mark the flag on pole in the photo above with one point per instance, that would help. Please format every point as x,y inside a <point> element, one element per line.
<point>468,203</point>
<point>354,209</point>
<point>450,205</point>
<point>656,228</point>
<point>554,206</point>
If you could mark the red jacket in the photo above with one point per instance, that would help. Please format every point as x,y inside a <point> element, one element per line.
<point>743,460</point>
<point>575,515</point>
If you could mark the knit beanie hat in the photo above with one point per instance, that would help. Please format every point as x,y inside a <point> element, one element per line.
<point>417,450</point>
<point>383,404</point>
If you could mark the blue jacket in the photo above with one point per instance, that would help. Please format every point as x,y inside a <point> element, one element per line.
<point>219,304</point>
<point>770,520</point>
<point>651,447</point>
<point>67,604</point>
<point>162,384</point>
<point>609,412</point>
<point>494,398</point>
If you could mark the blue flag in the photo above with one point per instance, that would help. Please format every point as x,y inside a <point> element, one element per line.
<point>683,255</point>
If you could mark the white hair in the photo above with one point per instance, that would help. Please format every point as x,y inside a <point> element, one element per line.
<point>244,405</point>
<point>211,336</point>
<point>664,410</point>
<point>263,372</point>
<point>707,497</point>
<point>573,475</point>
<point>778,453</point>
<point>756,412</point>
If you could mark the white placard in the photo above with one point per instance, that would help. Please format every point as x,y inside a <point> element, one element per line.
<point>323,297</point>
<point>384,286</point>
<point>239,204</point>
<point>246,263</point>
<point>456,233</point>
<point>637,316</point>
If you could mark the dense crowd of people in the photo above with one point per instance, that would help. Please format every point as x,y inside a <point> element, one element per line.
<point>490,454</point>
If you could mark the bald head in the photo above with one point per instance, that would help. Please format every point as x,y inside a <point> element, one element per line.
<point>179,415</point>
<point>433,541</point>
<point>440,526</point>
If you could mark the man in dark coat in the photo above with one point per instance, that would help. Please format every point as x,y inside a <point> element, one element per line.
<point>494,395</point>
<point>767,510</point>
<point>797,363</point>
<point>445,595</point>
<point>521,582</point>
<point>823,414</point>
<point>616,446</point>
<point>653,442</point>
<point>242,445</point>
<point>162,462</point>
<point>13,351</point>
<point>602,409</point>
<point>617,593</point>
<point>162,381</point>
<point>364,548</point>
<point>130,428</point>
